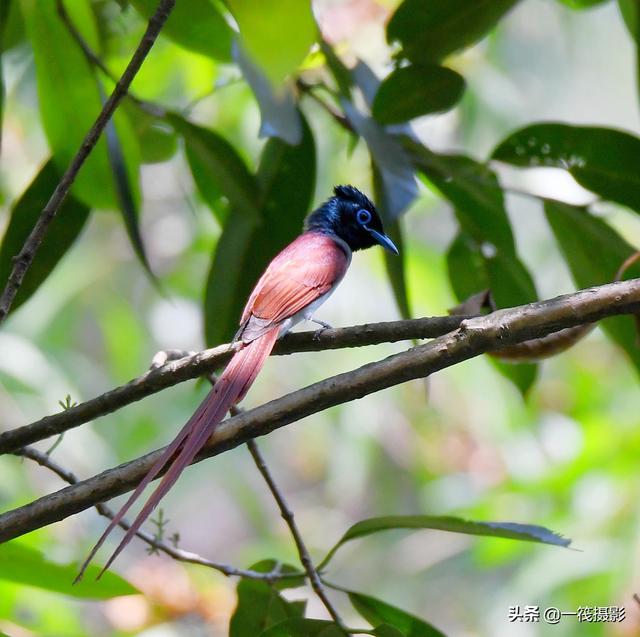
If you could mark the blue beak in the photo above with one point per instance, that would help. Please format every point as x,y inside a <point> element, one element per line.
<point>384,241</point>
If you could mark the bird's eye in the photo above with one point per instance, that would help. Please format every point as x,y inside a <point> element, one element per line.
<point>363,217</point>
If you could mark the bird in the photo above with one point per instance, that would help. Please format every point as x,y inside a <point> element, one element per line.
<point>294,285</point>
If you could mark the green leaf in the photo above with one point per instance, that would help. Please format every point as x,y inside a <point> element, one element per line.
<point>260,605</point>
<point>429,31</point>
<point>286,178</point>
<point>5,7</point>
<point>475,193</point>
<point>378,612</point>
<point>218,170</point>
<point>156,139</point>
<point>127,193</point>
<point>69,101</point>
<point>196,25</point>
<point>12,29</point>
<point>266,22</point>
<point>279,115</point>
<point>395,264</point>
<point>602,160</point>
<point>582,4</point>
<point>412,91</point>
<point>510,530</point>
<point>471,271</point>
<point>582,237</point>
<point>63,231</point>
<point>25,565</point>
<point>302,627</point>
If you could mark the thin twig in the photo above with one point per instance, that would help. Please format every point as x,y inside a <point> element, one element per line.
<point>45,460</point>
<point>23,260</point>
<point>287,516</point>
<point>201,363</point>
<point>474,337</point>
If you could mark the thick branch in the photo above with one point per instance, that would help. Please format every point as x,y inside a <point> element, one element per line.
<point>22,261</point>
<point>194,366</point>
<point>473,337</point>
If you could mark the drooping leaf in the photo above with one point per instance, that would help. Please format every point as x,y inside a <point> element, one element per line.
<point>396,170</point>
<point>25,565</point>
<point>429,31</point>
<point>303,627</point>
<point>475,194</point>
<point>471,270</point>
<point>69,101</point>
<point>126,193</point>
<point>411,91</point>
<point>63,231</point>
<point>594,251</point>
<point>286,178</point>
<point>395,264</point>
<point>156,139</point>
<point>602,160</point>
<point>510,530</point>
<point>218,170</point>
<point>264,23</point>
<point>260,604</point>
<point>378,612</point>
<point>279,116</point>
<point>196,25</point>
<point>12,31</point>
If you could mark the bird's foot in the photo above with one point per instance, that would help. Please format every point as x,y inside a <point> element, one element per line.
<point>323,326</point>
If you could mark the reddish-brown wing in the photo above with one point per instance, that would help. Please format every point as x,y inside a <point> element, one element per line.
<point>305,270</point>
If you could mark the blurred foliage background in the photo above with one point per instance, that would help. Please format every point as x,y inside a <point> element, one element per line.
<point>474,441</point>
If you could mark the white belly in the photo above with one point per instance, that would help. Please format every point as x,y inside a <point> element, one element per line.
<point>304,314</point>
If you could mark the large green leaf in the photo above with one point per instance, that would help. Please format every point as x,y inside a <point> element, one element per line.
<point>196,25</point>
<point>63,231</point>
<point>69,100</point>
<point>378,612</point>
<point>302,627</point>
<point>602,160</point>
<point>510,530</point>
<point>5,6</point>
<point>412,91</point>
<point>429,31</point>
<point>471,271</point>
<point>25,565</point>
<point>12,31</point>
<point>286,178</point>
<point>157,140</point>
<point>260,604</point>
<point>218,170</point>
<point>289,23</point>
<point>475,193</point>
<point>594,251</point>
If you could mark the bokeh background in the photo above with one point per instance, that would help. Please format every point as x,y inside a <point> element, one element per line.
<point>462,443</point>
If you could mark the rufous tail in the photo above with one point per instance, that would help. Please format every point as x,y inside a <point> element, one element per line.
<point>231,387</point>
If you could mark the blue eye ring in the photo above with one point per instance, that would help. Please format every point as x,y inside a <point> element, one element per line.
<point>363,217</point>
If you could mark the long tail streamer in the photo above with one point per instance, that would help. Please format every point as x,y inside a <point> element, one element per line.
<point>231,387</point>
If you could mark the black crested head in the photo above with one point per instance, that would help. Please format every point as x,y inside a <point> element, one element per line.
<point>350,215</point>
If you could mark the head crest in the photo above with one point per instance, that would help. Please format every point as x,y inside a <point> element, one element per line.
<point>351,193</point>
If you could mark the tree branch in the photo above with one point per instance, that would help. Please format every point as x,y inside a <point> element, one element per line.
<point>23,260</point>
<point>474,337</point>
<point>194,366</point>
<point>45,460</point>
<point>287,516</point>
